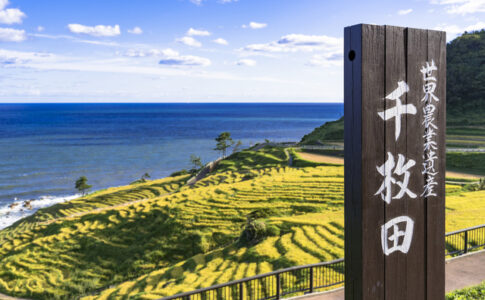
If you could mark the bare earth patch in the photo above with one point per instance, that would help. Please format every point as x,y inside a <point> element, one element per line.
<point>338,160</point>
<point>321,158</point>
<point>461,175</point>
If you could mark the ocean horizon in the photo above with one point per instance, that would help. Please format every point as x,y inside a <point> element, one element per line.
<point>45,147</point>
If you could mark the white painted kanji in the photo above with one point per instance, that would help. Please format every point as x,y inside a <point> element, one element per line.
<point>430,129</point>
<point>396,234</point>
<point>386,170</point>
<point>398,110</point>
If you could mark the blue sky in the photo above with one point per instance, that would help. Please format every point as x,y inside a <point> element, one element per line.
<point>195,50</point>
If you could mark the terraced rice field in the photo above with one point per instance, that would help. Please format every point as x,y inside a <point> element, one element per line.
<point>465,137</point>
<point>188,238</point>
<point>303,244</point>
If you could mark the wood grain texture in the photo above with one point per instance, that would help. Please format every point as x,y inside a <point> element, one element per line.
<point>373,93</point>
<point>436,205</point>
<point>385,56</point>
<point>352,108</point>
<point>395,273</point>
<point>417,55</point>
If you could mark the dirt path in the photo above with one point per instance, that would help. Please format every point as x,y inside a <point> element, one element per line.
<point>338,160</point>
<point>462,271</point>
<point>321,158</point>
<point>462,175</point>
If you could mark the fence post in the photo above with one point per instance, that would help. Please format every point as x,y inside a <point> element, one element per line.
<point>465,249</point>
<point>241,291</point>
<point>311,279</point>
<point>277,285</point>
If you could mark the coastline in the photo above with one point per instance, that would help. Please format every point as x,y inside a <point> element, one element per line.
<point>17,210</point>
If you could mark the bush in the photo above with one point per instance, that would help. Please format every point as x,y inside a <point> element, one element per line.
<point>178,173</point>
<point>254,232</point>
<point>476,292</point>
<point>273,230</point>
<point>263,213</point>
<point>249,176</point>
<point>480,186</point>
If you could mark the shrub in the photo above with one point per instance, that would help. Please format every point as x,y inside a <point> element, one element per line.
<point>273,230</point>
<point>254,232</point>
<point>263,213</point>
<point>476,292</point>
<point>249,176</point>
<point>178,173</point>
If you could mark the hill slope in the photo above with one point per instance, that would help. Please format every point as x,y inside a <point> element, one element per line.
<point>465,97</point>
<point>328,132</point>
<point>465,79</point>
<point>151,244</point>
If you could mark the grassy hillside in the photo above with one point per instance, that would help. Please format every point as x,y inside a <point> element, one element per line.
<point>465,97</point>
<point>465,77</point>
<point>328,132</point>
<point>303,239</point>
<point>160,237</point>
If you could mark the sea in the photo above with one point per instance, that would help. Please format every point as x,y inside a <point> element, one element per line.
<point>44,148</point>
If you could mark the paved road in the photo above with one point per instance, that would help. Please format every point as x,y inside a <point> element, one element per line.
<point>463,271</point>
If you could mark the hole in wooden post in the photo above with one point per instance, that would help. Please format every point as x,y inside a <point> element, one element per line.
<point>351,55</point>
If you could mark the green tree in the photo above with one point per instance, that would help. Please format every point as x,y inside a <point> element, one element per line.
<point>465,75</point>
<point>196,161</point>
<point>82,185</point>
<point>224,141</point>
<point>145,176</point>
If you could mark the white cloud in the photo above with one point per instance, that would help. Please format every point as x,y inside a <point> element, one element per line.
<point>185,60</point>
<point>221,41</point>
<point>9,57</point>
<point>298,42</point>
<point>453,31</point>
<point>169,57</point>
<point>403,12</point>
<point>10,15</point>
<point>74,39</point>
<point>326,60</point>
<point>135,30</point>
<point>150,52</point>
<point>246,62</point>
<point>462,7</point>
<point>227,1</point>
<point>255,25</point>
<point>328,49</point>
<point>197,32</point>
<point>98,30</point>
<point>120,65</point>
<point>196,2</point>
<point>189,41</point>
<point>40,28</point>
<point>12,35</point>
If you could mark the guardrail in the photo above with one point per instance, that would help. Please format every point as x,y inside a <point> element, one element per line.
<point>462,241</point>
<point>312,278</point>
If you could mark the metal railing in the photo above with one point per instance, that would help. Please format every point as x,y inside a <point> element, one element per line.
<point>462,241</point>
<point>312,278</point>
<point>274,285</point>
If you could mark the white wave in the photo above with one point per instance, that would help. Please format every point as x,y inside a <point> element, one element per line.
<point>8,215</point>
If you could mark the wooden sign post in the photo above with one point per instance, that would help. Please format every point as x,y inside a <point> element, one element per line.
<point>395,94</point>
